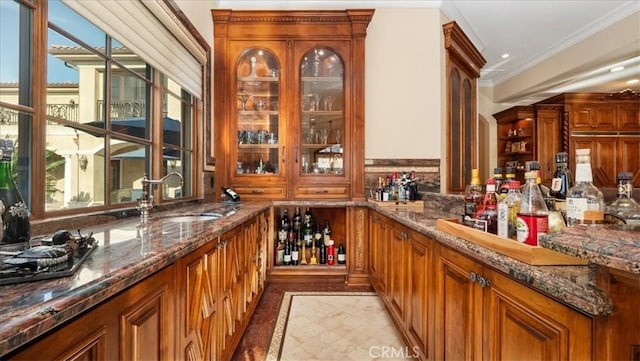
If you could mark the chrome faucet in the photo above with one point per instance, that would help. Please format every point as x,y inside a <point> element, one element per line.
<point>145,202</point>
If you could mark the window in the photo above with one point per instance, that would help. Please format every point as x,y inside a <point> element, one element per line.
<point>98,113</point>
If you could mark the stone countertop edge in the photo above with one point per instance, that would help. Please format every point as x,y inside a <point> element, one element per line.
<point>614,248</point>
<point>573,285</point>
<point>22,325</point>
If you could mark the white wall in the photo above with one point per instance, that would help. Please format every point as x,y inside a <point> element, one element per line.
<point>403,116</point>
<point>403,84</point>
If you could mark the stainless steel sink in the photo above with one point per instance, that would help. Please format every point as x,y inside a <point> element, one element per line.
<point>200,217</point>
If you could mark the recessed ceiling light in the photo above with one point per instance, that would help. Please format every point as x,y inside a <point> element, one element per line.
<point>633,81</point>
<point>505,55</point>
<point>617,68</point>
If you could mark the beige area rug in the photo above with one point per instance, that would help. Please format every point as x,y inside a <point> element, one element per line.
<point>327,326</point>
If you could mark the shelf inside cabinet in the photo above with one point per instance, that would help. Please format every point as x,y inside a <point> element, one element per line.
<point>252,147</point>
<point>257,112</point>
<point>255,80</point>
<point>312,79</point>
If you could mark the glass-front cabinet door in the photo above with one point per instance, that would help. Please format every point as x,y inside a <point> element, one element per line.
<point>321,113</point>
<point>258,153</point>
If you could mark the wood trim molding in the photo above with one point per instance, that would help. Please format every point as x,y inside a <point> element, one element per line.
<point>458,44</point>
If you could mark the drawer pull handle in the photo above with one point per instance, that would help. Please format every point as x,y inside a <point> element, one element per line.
<point>473,276</point>
<point>319,191</point>
<point>257,191</point>
<point>483,282</point>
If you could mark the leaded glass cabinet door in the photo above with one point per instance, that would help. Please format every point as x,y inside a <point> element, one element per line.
<point>323,123</point>
<point>258,154</point>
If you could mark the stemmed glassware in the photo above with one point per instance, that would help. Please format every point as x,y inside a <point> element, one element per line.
<point>243,97</point>
<point>338,133</point>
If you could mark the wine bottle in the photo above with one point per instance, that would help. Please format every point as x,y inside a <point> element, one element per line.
<point>295,254</point>
<point>562,181</point>
<point>326,234</point>
<point>331,253</point>
<point>287,254</point>
<point>285,223</point>
<point>15,227</point>
<point>231,194</point>
<point>323,253</point>
<point>297,220</point>
<point>307,221</point>
<point>342,255</point>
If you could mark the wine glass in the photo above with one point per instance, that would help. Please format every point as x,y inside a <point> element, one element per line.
<point>338,133</point>
<point>243,97</point>
<point>324,135</point>
<point>328,102</point>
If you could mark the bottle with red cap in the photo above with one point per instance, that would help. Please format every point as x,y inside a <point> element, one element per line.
<point>533,217</point>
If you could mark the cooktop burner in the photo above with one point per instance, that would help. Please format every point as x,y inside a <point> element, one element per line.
<point>45,257</point>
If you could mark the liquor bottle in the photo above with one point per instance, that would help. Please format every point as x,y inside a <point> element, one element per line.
<point>287,254</point>
<point>285,222</point>
<point>331,253</point>
<point>307,221</point>
<point>297,220</point>
<point>472,198</point>
<point>230,194</point>
<point>562,181</point>
<point>342,254</point>
<point>307,236</point>
<point>487,219</point>
<point>533,217</point>
<point>15,226</point>
<point>509,176</point>
<point>323,253</point>
<point>326,234</point>
<point>624,206</point>
<point>317,236</point>
<point>498,179</point>
<point>295,251</point>
<point>280,253</point>
<point>508,208</point>
<point>585,202</point>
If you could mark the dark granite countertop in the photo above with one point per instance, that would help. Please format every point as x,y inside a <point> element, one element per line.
<point>127,253</point>
<point>28,310</point>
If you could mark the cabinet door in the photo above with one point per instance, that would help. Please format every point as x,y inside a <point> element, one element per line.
<point>322,120</point>
<point>629,117</point>
<point>232,293</point>
<point>145,328</point>
<point>378,255</point>
<point>628,159</point>
<point>521,324</point>
<point>458,311</point>
<point>604,153</point>
<point>548,142</point>
<point>589,117</point>
<point>419,317</point>
<point>397,272</point>
<point>198,282</point>
<point>256,130</point>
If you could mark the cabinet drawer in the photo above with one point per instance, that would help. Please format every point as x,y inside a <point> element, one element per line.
<point>255,192</point>
<point>322,192</point>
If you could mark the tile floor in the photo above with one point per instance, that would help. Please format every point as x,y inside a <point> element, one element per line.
<point>254,345</point>
<point>333,326</point>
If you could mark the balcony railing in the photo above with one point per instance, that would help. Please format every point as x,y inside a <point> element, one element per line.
<point>123,109</point>
<point>70,111</point>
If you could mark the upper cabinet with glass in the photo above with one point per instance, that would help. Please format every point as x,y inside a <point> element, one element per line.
<point>322,112</point>
<point>289,103</point>
<point>257,113</point>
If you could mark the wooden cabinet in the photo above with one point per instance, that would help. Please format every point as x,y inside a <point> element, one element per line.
<point>137,324</point>
<point>608,124</point>
<point>403,278</point>
<point>348,226</point>
<point>516,138</point>
<point>548,139</point>
<point>290,103</point>
<point>378,251</point>
<point>609,156</point>
<point>220,285</point>
<point>482,314</point>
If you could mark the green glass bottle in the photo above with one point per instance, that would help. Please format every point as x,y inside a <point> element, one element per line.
<point>15,214</point>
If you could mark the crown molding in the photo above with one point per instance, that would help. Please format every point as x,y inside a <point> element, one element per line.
<point>325,4</point>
